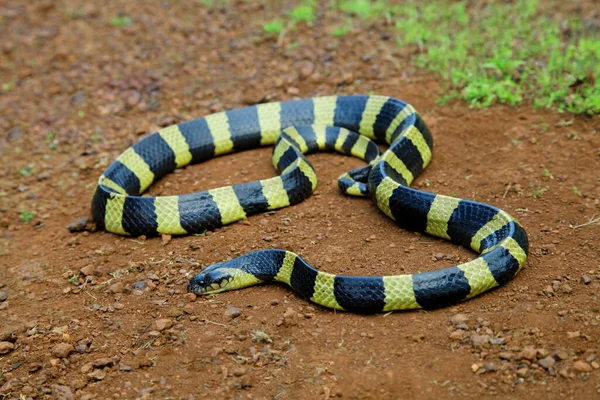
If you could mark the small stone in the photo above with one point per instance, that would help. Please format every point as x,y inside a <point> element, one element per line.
<point>528,353</point>
<point>191,297</point>
<point>595,364</point>
<point>457,335</point>
<point>491,367</point>
<point>166,239</point>
<point>560,355</point>
<point>162,324</point>
<point>293,91</point>
<point>62,350</point>
<point>232,312</point>
<point>474,367</point>
<point>238,371</point>
<point>459,319</point>
<point>542,353</point>
<point>174,312</point>
<point>116,287</point>
<point>581,366</point>
<point>125,368</point>
<point>506,355</point>
<point>62,392</point>
<point>573,335</point>
<point>566,288</point>
<point>290,317</point>
<point>563,372</point>
<point>78,225</point>
<point>103,362</point>
<point>586,280</point>
<point>3,294</point>
<point>522,372</point>
<point>497,341</point>
<point>97,375</point>
<point>480,340</point>
<point>274,302</point>
<point>88,270</point>
<point>6,347</point>
<point>547,362</point>
<point>189,309</point>
<point>306,70</point>
<point>139,285</point>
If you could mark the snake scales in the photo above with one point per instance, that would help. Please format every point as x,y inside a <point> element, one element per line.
<point>341,123</point>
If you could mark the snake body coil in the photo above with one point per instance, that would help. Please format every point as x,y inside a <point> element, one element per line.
<point>342,123</point>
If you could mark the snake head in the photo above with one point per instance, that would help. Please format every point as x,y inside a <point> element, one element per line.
<point>221,277</point>
<point>213,279</point>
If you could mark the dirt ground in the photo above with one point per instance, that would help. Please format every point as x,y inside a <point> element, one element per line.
<point>92,315</point>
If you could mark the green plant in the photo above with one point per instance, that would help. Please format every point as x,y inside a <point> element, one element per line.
<point>274,27</point>
<point>303,13</point>
<point>539,193</point>
<point>8,86</point>
<point>120,21</point>
<point>26,170</point>
<point>26,216</point>
<point>504,53</point>
<point>341,30</point>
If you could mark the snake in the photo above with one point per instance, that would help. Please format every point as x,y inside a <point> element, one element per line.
<point>349,124</point>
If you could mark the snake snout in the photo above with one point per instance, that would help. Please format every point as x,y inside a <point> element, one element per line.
<point>213,279</point>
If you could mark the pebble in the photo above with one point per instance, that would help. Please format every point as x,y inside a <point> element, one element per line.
<point>62,392</point>
<point>528,353</point>
<point>459,319</point>
<point>457,335</point>
<point>232,312</point>
<point>506,355</point>
<point>88,270</point>
<point>307,69</point>
<point>573,335</point>
<point>174,312</point>
<point>290,317</point>
<point>166,239</point>
<point>116,287</point>
<point>190,297</point>
<point>547,362</point>
<point>97,375</point>
<point>586,280</point>
<point>103,362</point>
<point>563,372</point>
<point>522,372</point>
<point>6,347</point>
<point>581,366</point>
<point>3,294</point>
<point>162,324</point>
<point>78,225</point>
<point>62,350</point>
<point>139,285</point>
<point>479,340</point>
<point>194,245</point>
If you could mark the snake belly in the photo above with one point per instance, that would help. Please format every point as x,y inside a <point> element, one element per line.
<point>321,123</point>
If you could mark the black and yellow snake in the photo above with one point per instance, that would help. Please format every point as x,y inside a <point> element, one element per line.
<point>309,125</point>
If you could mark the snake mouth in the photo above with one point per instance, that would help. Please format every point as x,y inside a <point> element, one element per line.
<point>202,284</point>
